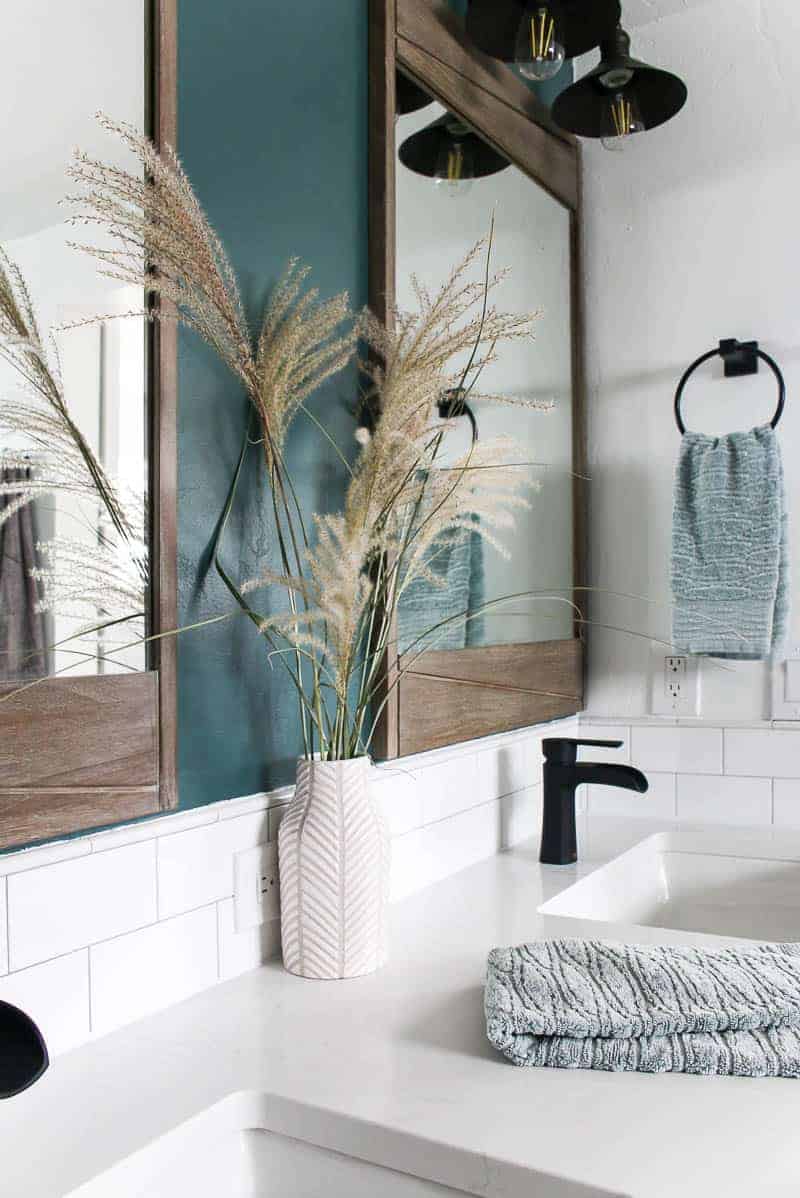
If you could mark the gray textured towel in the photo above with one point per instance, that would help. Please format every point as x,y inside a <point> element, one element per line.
<point>730,547</point>
<point>588,1004</point>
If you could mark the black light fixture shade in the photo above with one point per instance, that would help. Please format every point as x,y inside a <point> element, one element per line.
<point>493,25</point>
<point>23,1053</point>
<point>409,96</point>
<point>423,151</point>
<point>658,95</point>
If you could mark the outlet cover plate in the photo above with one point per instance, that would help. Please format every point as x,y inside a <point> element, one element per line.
<point>687,701</point>
<point>256,892</point>
<point>783,708</point>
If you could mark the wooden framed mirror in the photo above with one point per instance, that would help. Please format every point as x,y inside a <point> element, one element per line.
<point>520,663</point>
<point>87,718</point>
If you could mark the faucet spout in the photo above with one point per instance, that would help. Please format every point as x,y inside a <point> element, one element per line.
<point>562,775</point>
<point>626,777</point>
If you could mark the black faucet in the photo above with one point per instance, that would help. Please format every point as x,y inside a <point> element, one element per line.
<point>562,774</point>
<point>23,1053</point>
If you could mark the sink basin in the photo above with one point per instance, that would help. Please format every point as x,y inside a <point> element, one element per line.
<point>231,1149</point>
<point>688,885</point>
<point>254,1145</point>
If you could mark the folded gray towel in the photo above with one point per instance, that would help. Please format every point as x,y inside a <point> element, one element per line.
<point>730,547</point>
<point>587,1004</point>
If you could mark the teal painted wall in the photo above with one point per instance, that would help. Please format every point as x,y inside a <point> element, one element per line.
<point>273,134</point>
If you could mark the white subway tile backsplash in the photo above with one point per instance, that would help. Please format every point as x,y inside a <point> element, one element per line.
<point>45,854</point>
<point>762,753</point>
<point>520,816</point>
<point>658,801</point>
<point>139,973</point>
<point>786,802</point>
<point>449,787</point>
<point>240,952</point>
<point>677,750</point>
<point>727,800</point>
<point>510,767</point>
<point>61,907</point>
<point>196,867</point>
<point>438,850</point>
<point>150,829</point>
<point>594,731</point>
<point>56,996</point>
<point>399,795</point>
<point>3,929</point>
<point>276,814</point>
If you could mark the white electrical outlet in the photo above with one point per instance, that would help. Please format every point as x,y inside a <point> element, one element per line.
<point>255,886</point>
<point>674,682</point>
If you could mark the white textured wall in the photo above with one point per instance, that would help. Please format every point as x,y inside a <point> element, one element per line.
<point>692,236</point>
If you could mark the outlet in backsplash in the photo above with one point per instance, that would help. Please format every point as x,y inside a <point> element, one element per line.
<point>107,928</point>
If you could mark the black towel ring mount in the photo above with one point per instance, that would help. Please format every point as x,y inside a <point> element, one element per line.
<point>740,358</point>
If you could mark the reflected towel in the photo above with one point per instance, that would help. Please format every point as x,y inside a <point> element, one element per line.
<point>23,633</point>
<point>456,560</point>
<point>730,547</point>
<point>587,1004</point>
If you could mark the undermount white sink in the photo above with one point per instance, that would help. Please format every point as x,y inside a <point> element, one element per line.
<point>237,1149</point>
<point>689,885</point>
<point>253,1145</point>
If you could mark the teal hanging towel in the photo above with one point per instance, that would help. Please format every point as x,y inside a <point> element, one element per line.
<point>730,547</point>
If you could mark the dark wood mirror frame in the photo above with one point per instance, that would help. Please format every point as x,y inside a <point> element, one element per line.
<point>78,753</point>
<point>456,695</point>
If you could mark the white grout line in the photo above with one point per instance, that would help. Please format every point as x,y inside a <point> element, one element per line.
<point>8,926</point>
<point>88,951</point>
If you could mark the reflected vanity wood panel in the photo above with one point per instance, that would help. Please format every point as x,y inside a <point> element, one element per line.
<point>465,693</point>
<point>83,752</point>
<point>456,696</point>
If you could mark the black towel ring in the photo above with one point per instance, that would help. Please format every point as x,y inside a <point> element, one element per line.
<point>740,359</point>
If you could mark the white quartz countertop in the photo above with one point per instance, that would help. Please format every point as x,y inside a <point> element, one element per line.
<point>406,1049</point>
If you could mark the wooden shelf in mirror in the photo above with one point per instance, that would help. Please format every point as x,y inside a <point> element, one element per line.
<point>457,694</point>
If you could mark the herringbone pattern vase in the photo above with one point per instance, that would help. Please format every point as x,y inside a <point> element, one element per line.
<point>333,849</point>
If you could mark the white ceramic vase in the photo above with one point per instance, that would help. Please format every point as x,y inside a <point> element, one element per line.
<point>333,854</point>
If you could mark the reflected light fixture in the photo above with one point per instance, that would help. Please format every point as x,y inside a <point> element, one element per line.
<point>449,152</point>
<point>539,50</point>
<point>538,35</point>
<point>620,97</point>
<point>409,96</point>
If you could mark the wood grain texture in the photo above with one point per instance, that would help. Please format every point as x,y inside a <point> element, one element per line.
<point>433,47</point>
<point>455,695</point>
<point>543,667</point>
<point>163,396</point>
<point>580,456</point>
<point>437,711</point>
<point>382,243</point>
<point>547,161</point>
<point>31,815</point>
<point>95,731</point>
<point>78,753</point>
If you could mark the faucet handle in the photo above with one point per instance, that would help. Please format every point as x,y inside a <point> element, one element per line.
<point>563,750</point>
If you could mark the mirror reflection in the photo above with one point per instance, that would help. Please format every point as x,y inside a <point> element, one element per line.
<point>451,186</point>
<point>73,463</point>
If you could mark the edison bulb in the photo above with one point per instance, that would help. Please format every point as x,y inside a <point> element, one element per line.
<point>455,168</point>
<point>539,53</point>
<point>621,120</point>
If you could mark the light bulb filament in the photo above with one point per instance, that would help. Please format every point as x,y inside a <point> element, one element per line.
<point>542,38</point>
<point>455,164</point>
<point>622,115</point>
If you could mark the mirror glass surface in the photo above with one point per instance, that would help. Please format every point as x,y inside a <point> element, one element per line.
<point>63,568</point>
<point>437,224</point>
